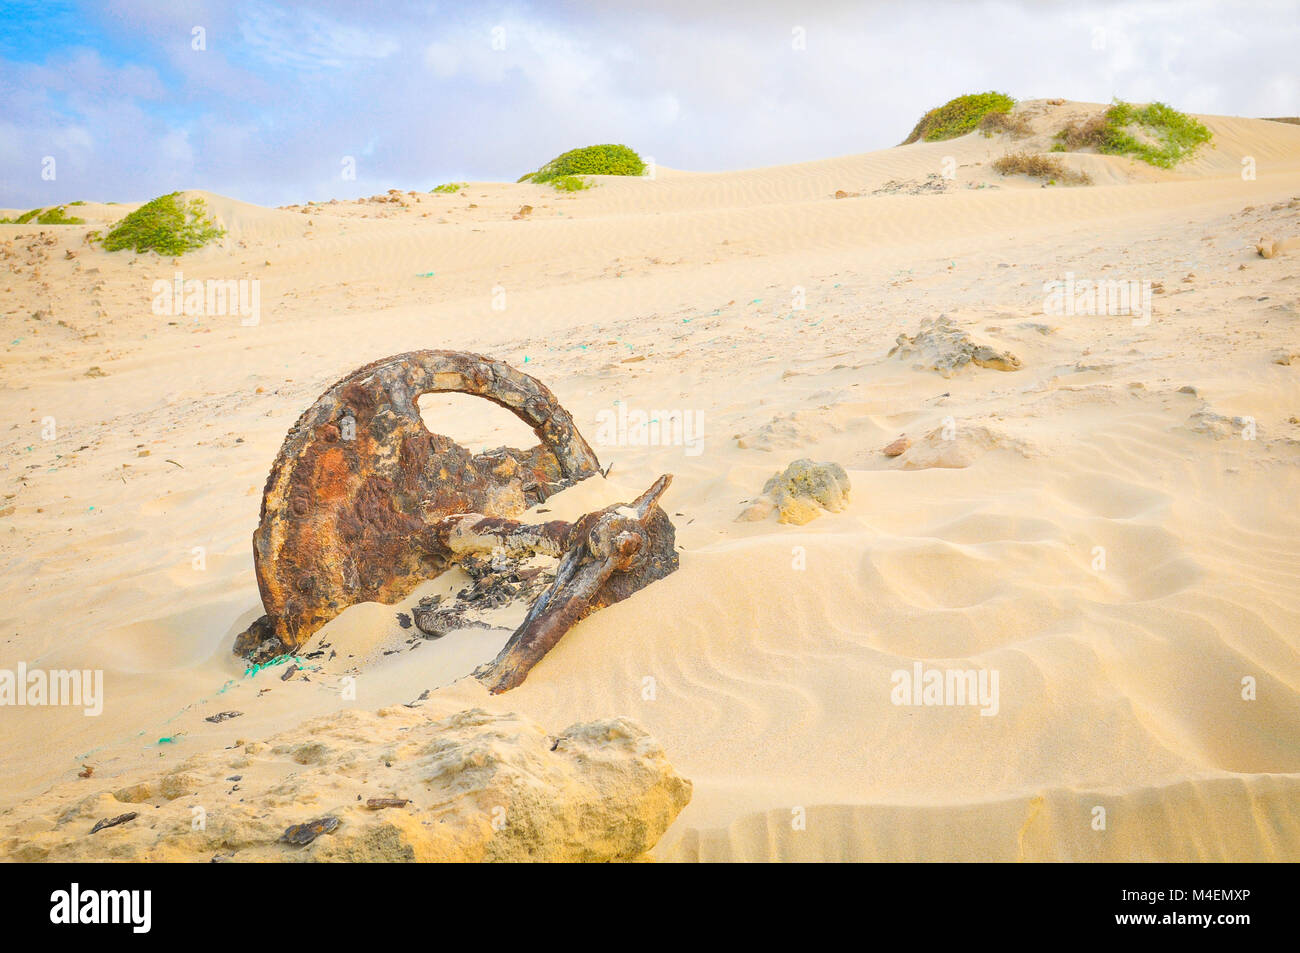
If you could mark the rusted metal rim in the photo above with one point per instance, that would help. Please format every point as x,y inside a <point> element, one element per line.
<point>350,502</point>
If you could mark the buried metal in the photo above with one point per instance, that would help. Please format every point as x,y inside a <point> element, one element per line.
<point>363,503</point>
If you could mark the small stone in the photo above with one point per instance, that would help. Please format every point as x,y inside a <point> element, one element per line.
<point>302,834</point>
<point>898,447</point>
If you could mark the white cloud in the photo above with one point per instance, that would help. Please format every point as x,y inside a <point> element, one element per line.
<point>421,95</point>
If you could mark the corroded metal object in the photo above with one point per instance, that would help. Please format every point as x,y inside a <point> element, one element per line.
<point>350,508</point>
<point>611,554</point>
<point>363,503</point>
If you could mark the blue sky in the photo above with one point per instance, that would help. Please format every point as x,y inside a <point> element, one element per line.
<point>264,101</point>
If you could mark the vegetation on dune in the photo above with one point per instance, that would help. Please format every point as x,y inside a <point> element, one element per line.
<point>569,183</point>
<point>591,160</point>
<point>55,216</point>
<point>449,187</point>
<point>46,216</point>
<point>1040,167</point>
<point>958,116</point>
<point>1176,135</point>
<point>1008,123</point>
<point>165,225</point>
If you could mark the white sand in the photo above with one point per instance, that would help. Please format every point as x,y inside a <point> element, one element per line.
<point>1119,688</point>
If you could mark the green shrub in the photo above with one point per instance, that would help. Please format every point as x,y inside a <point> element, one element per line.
<point>569,183</point>
<point>165,225</point>
<point>592,160</point>
<point>55,216</point>
<point>449,187</point>
<point>1178,135</point>
<point>958,116</point>
<point>50,216</point>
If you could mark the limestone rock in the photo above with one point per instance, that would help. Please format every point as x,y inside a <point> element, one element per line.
<point>479,786</point>
<point>1271,248</point>
<point>942,346</point>
<point>801,493</point>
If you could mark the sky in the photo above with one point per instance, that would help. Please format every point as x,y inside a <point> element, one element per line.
<point>275,103</point>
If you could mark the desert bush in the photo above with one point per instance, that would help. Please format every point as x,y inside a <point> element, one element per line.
<point>1040,167</point>
<point>1177,135</point>
<point>591,160</point>
<point>1080,133</point>
<point>55,216</point>
<point>165,225</point>
<point>449,187</point>
<point>958,116</point>
<point>569,183</point>
<point>47,216</point>
<point>1008,123</point>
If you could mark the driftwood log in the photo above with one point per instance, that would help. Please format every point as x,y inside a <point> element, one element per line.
<point>363,503</point>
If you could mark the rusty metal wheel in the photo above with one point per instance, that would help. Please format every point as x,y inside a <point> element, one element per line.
<point>350,506</point>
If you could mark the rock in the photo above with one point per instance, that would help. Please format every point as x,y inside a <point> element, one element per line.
<point>1219,426</point>
<point>898,447</point>
<point>957,448</point>
<point>135,793</point>
<point>178,784</point>
<point>940,345</point>
<point>1187,389</point>
<point>302,834</point>
<point>479,786</point>
<point>379,803</point>
<point>801,493</point>
<point>1285,357</point>
<point>1271,248</point>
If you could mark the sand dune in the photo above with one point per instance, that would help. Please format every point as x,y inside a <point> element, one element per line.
<point>1171,446</point>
